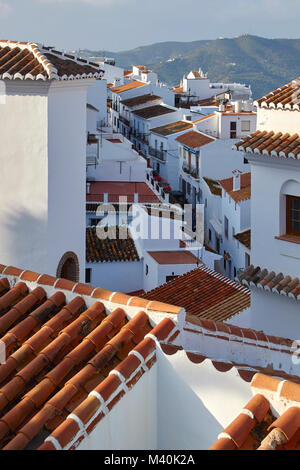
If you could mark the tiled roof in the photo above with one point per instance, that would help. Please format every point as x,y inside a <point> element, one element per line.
<point>285,97</point>
<point>109,249</point>
<point>271,282</point>
<point>194,139</point>
<point>172,128</point>
<point>213,186</point>
<point>241,194</point>
<point>205,117</point>
<point>204,293</point>
<point>138,100</point>
<point>153,111</point>
<point>174,257</point>
<point>244,238</point>
<point>127,86</point>
<point>22,60</point>
<point>256,428</point>
<point>271,144</point>
<point>67,363</point>
<point>116,189</point>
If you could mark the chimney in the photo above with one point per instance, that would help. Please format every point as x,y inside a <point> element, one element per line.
<point>236,180</point>
<point>222,107</point>
<point>88,187</point>
<point>105,198</point>
<point>136,198</point>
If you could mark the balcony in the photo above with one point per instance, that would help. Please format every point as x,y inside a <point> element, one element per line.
<point>160,154</point>
<point>143,137</point>
<point>92,154</point>
<point>124,121</point>
<point>193,172</point>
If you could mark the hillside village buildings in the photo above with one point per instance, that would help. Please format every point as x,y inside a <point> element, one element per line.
<point>97,331</point>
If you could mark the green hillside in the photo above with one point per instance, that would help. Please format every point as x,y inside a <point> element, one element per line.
<point>265,64</point>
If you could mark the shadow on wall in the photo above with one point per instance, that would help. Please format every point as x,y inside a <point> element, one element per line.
<point>23,239</point>
<point>184,422</point>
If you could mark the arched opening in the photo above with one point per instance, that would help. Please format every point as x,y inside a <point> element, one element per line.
<point>289,219</point>
<point>68,267</point>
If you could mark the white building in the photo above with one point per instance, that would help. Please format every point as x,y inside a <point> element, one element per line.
<point>145,119</point>
<point>196,87</point>
<point>273,152</point>
<point>129,106</point>
<point>163,150</point>
<point>43,131</point>
<point>236,199</point>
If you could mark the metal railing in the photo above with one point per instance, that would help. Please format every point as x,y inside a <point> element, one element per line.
<point>160,154</point>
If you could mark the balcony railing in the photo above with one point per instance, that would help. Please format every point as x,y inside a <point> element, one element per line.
<point>193,172</point>
<point>160,154</point>
<point>124,121</point>
<point>140,136</point>
<point>92,155</point>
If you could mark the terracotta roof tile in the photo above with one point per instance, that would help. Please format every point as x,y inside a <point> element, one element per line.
<point>241,194</point>
<point>128,86</point>
<point>213,186</point>
<point>194,139</point>
<point>244,238</point>
<point>153,111</point>
<point>109,250</point>
<point>285,97</point>
<point>36,62</point>
<point>271,144</point>
<point>270,281</point>
<point>173,128</point>
<point>204,293</point>
<point>58,352</point>
<point>139,100</point>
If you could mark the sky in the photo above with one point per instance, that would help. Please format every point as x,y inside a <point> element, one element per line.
<point>116,25</point>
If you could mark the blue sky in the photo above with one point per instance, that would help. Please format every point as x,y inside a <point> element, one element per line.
<point>116,25</point>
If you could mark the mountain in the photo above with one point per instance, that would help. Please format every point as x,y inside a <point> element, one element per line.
<point>265,64</point>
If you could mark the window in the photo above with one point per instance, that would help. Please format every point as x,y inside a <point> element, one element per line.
<point>245,126</point>
<point>88,272</point>
<point>188,188</point>
<point>170,278</point>
<point>246,161</point>
<point>247,260</point>
<point>233,232</point>
<point>293,215</point>
<point>233,130</point>
<point>209,235</point>
<point>224,260</point>
<point>147,270</point>
<point>234,271</point>
<point>226,227</point>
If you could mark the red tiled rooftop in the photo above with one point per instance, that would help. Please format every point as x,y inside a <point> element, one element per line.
<point>194,139</point>
<point>115,189</point>
<point>109,249</point>
<point>174,257</point>
<point>285,97</point>
<point>270,281</point>
<point>21,60</point>
<point>204,293</point>
<point>59,351</point>
<point>271,144</point>
<point>241,194</point>
<point>128,86</point>
<point>139,100</point>
<point>153,111</point>
<point>244,238</point>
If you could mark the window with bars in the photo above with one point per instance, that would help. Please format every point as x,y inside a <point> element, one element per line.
<point>293,215</point>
